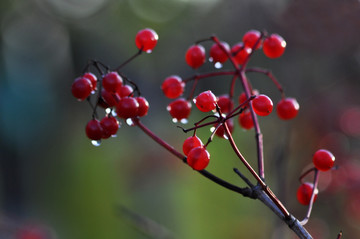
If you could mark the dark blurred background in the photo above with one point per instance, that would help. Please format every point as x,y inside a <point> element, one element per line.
<point>52,177</point>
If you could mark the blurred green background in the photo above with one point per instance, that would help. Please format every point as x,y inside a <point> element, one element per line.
<point>51,175</point>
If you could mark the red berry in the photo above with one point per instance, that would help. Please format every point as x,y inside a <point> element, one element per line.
<point>198,158</point>
<point>251,38</point>
<point>262,105</point>
<point>127,107</point>
<point>110,98</point>
<point>110,126</point>
<point>304,193</point>
<point>274,46</point>
<point>179,109</point>
<point>92,78</point>
<point>32,232</point>
<point>195,56</point>
<point>143,106</point>
<point>225,104</point>
<point>221,131</point>
<point>190,143</point>
<point>146,39</point>
<point>287,108</point>
<point>240,53</point>
<point>243,98</point>
<point>112,81</point>
<point>323,160</point>
<point>205,101</point>
<point>81,88</point>
<point>245,120</point>
<point>218,54</point>
<point>125,90</point>
<point>173,87</point>
<point>94,130</point>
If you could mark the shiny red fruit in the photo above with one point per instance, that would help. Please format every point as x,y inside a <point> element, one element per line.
<point>110,126</point>
<point>195,56</point>
<point>240,53</point>
<point>143,106</point>
<point>323,160</point>
<point>198,158</point>
<point>146,39</point>
<point>262,105</point>
<point>127,107</point>
<point>179,109</point>
<point>206,101</point>
<point>274,46</point>
<point>287,108</point>
<point>251,38</point>
<point>190,143</point>
<point>81,88</point>
<point>245,120</point>
<point>112,81</point>
<point>225,104</point>
<point>218,54</point>
<point>110,98</point>
<point>125,90</point>
<point>92,78</point>
<point>221,131</point>
<point>94,130</point>
<point>173,87</point>
<point>304,193</point>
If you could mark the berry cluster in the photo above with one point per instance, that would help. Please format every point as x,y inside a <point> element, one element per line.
<point>323,160</point>
<point>113,91</point>
<point>249,101</point>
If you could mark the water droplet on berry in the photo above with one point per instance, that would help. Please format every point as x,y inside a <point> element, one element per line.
<point>194,100</point>
<point>148,51</point>
<point>225,137</point>
<point>174,120</point>
<point>93,92</point>
<point>218,65</point>
<point>184,121</point>
<point>212,129</point>
<point>129,122</point>
<point>211,59</point>
<point>113,113</point>
<point>168,108</point>
<point>114,135</point>
<point>96,143</point>
<point>107,110</point>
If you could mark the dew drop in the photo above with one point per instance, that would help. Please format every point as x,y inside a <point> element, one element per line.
<point>194,100</point>
<point>184,121</point>
<point>174,120</point>
<point>212,129</point>
<point>129,122</point>
<point>113,113</point>
<point>168,108</point>
<point>114,136</point>
<point>107,110</point>
<point>96,143</point>
<point>93,92</point>
<point>218,65</point>
<point>211,59</point>
<point>225,137</point>
<point>148,51</point>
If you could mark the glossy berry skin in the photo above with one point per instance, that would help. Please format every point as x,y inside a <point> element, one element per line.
<point>112,81</point>
<point>243,98</point>
<point>110,98</point>
<point>240,53</point>
<point>92,78</point>
<point>262,105</point>
<point>287,108</point>
<point>323,160</point>
<point>195,56</point>
<point>179,109</point>
<point>143,106</point>
<point>173,87</point>
<point>198,158</point>
<point>274,46</point>
<point>81,88</point>
<point>94,130</point>
<point>146,39</point>
<point>110,126</point>
<point>225,104</point>
<point>127,107</point>
<point>245,120</point>
<point>125,90</point>
<point>190,143</point>
<point>206,101</point>
<point>304,193</point>
<point>251,38</point>
<point>220,132</point>
<point>218,54</point>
